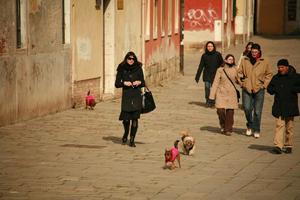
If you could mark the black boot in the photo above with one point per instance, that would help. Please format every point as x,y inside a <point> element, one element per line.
<point>132,143</point>
<point>126,125</point>
<point>133,131</point>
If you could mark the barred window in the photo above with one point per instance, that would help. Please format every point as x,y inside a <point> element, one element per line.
<point>292,10</point>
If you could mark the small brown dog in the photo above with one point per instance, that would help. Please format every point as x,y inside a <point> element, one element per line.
<point>171,155</point>
<point>90,101</point>
<point>187,143</point>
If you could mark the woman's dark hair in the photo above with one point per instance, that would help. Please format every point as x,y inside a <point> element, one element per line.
<point>227,56</point>
<point>246,48</point>
<point>210,42</point>
<point>230,55</point>
<point>124,62</point>
<point>130,54</point>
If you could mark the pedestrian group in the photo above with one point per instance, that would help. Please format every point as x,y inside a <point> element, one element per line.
<point>222,78</point>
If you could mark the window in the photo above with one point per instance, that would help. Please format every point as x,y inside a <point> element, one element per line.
<point>21,23</point>
<point>155,18</point>
<point>66,32</point>
<point>147,20</point>
<point>292,10</point>
<point>170,17</point>
<point>163,16</point>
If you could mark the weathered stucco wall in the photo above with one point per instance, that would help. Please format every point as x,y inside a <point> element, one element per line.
<point>35,80</point>
<point>162,51</point>
<point>87,41</point>
<point>128,30</point>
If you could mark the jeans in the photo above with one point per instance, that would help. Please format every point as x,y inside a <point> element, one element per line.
<point>207,86</point>
<point>253,105</point>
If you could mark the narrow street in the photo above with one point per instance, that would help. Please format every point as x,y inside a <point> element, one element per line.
<point>77,154</point>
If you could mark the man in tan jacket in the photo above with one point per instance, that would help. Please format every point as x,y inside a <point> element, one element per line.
<point>255,73</point>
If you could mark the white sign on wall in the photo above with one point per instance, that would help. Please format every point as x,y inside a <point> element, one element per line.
<point>218,30</point>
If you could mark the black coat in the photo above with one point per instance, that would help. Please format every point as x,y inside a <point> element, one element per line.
<point>131,96</point>
<point>210,62</point>
<point>285,88</point>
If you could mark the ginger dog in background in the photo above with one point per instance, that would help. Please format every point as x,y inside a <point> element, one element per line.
<point>90,101</point>
<point>187,143</point>
<point>171,155</point>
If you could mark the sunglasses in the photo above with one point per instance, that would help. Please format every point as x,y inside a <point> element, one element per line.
<point>130,58</point>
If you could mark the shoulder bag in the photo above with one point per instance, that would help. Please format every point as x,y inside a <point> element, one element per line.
<point>148,103</point>
<point>237,91</point>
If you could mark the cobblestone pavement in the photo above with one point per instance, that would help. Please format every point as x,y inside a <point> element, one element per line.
<point>77,155</point>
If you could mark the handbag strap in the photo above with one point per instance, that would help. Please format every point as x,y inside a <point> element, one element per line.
<point>229,79</point>
<point>146,88</point>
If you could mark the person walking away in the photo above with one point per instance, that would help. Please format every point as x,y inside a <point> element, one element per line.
<point>285,86</point>
<point>224,93</point>
<point>254,75</point>
<point>210,61</point>
<point>130,78</point>
<point>246,51</point>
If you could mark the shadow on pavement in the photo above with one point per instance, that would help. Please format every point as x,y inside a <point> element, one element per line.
<point>203,104</point>
<point>261,147</point>
<point>117,140</point>
<point>83,146</point>
<point>213,129</point>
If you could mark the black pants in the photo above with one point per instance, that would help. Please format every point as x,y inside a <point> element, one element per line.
<point>133,129</point>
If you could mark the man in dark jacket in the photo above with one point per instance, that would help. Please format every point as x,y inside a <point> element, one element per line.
<point>210,61</point>
<point>285,85</point>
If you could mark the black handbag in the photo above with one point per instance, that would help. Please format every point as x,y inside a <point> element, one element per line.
<point>148,103</point>
<point>238,95</point>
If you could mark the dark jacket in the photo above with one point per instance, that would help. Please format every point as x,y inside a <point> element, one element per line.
<point>131,96</point>
<point>285,88</point>
<point>210,62</point>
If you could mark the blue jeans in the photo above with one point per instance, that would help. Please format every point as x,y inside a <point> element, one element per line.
<point>207,86</point>
<point>253,105</point>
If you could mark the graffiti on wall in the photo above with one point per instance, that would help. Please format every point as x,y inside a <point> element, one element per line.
<point>201,15</point>
<point>200,19</point>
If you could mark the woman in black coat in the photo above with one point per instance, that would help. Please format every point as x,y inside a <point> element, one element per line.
<point>210,61</point>
<point>285,85</point>
<point>130,78</point>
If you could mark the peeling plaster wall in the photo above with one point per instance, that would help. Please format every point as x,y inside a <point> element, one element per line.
<point>87,41</point>
<point>162,59</point>
<point>36,80</point>
<point>162,53</point>
<point>128,30</point>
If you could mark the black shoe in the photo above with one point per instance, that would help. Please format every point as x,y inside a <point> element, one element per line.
<point>276,150</point>
<point>288,150</point>
<point>124,141</point>
<point>132,144</point>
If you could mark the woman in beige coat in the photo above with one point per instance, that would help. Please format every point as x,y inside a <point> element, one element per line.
<point>224,93</point>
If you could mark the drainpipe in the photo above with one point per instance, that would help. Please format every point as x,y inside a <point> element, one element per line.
<point>222,25</point>
<point>143,33</point>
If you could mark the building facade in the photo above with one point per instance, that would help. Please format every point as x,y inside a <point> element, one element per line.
<point>35,63</point>
<point>284,17</point>
<point>52,52</point>
<point>224,22</point>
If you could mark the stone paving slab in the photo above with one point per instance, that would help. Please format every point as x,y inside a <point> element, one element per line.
<point>77,154</point>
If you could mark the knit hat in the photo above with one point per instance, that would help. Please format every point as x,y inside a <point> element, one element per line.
<point>283,62</point>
